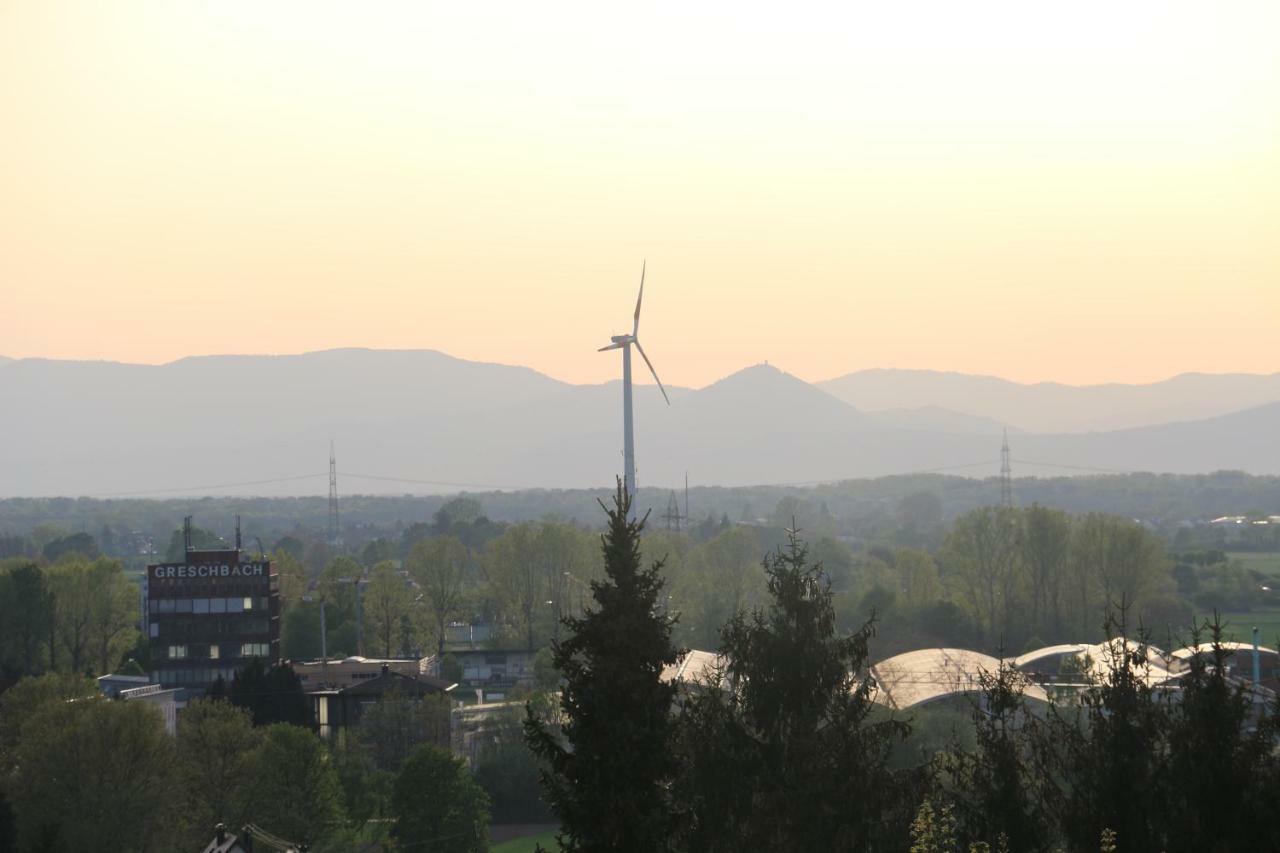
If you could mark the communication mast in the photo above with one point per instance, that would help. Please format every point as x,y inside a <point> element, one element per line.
<point>335,528</point>
<point>1006,474</point>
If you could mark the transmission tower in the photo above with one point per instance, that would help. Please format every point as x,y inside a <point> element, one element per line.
<point>335,528</point>
<point>1006,474</point>
<point>672,515</point>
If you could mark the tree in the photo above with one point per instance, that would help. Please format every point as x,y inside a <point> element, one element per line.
<point>386,605</point>
<point>201,539</point>
<point>80,544</point>
<point>92,770</point>
<point>918,575</point>
<point>439,565</point>
<point>565,555</point>
<point>1046,546</point>
<point>393,726</point>
<point>26,611</point>
<point>1106,767</point>
<point>1114,560</point>
<point>515,579</point>
<point>336,589</point>
<point>608,767</point>
<point>215,744</point>
<point>113,613</point>
<point>509,772</point>
<point>995,786</point>
<point>94,614</point>
<point>292,577</point>
<point>21,703</point>
<point>73,609</point>
<point>295,790</point>
<point>438,805</point>
<point>780,752</point>
<point>983,555</point>
<point>1223,770</point>
<point>723,578</point>
<point>270,695</point>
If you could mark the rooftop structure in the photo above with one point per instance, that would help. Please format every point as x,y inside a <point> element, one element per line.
<point>927,675</point>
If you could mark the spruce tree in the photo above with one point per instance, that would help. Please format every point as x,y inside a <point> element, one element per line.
<point>610,760</point>
<point>1223,768</point>
<point>997,793</point>
<point>787,752</point>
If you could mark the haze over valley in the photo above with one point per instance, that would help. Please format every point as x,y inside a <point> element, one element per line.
<point>422,421</point>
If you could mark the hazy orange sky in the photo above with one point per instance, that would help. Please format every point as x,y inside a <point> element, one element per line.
<point>1082,192</point>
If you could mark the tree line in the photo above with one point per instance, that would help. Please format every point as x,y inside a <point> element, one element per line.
<point>783,747</point>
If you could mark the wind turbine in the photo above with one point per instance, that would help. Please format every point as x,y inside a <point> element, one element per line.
<point>624,343</point>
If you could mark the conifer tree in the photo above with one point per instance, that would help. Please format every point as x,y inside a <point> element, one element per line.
<point>610,761</point>
<point>786,752</point>
<point>998,794</point>
<point>1223,770</point>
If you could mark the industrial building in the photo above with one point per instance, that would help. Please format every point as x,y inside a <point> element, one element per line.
<point>210,615</point>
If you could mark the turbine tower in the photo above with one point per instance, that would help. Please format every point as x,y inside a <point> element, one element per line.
<point>624,343</point>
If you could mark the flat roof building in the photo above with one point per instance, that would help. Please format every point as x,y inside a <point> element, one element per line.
<point>209,616</point>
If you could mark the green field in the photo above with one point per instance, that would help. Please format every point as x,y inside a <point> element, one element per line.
<point>527,844</point>
<point>1265,562</point>
<point>1240,626</point>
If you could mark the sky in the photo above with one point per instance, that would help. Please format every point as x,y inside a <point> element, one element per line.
<point>1083,192</point>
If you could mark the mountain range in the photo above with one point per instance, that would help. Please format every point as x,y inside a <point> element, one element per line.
<point>418,421</point>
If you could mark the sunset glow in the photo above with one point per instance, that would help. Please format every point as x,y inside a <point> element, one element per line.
<point>1085,192</point>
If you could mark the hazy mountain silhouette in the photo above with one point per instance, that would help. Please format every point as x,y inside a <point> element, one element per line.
<point>84,428</point>
<point>1053,407</point>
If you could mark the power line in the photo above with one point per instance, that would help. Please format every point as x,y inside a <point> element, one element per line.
<point>497,486</point>
<point>176,489</point>
<point>513,487</point>
<point>1077,467</point>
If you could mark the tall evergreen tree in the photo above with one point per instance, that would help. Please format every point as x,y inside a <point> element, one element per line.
<point>997,793</point>
<point>610,762</point>
<point>1223,770</point>
<point>1106,762</point>
<point>784,752</point>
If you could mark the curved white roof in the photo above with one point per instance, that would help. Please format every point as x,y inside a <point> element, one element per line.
<point>924,675</point>
<point>1101,655</point>
<point>1038,655</point>
<point>1203,648</point>
<point>697,667</point>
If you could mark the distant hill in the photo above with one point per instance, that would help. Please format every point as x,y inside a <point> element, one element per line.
<point>1052,407</point>
<point>423,421</point>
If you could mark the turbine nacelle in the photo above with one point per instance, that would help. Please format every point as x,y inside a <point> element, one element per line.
<point>620,341</point>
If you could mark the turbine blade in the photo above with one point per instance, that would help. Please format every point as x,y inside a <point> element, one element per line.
<point>609,347</point>
<point>635,330</point>
<point>654,372</point>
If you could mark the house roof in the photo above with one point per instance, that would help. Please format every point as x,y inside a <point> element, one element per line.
<point>391,680</point>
